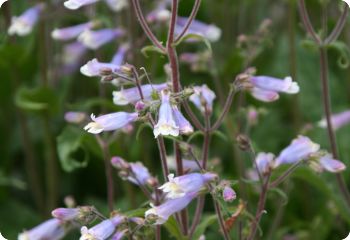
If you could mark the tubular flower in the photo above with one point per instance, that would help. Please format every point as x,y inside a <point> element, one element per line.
<point>118,58</point>
<point>275,85</point>
<point>75,4</point>
<point>185,126</point>
<point>52,229</point>
<point>131,95</point>
<point>166,122</point>
<point>159,14</point>
<point>264,162</point>
<point>179,186</point>
<point>71,32</point>
<point>102,230</point>
<point>264,95</point>
<point>117,5</point>
<point>331,165</point>
<point>119,235</point>
<point>209,31</point>
<point>228,194</point>
<point>23,25</point>
<point>300,148</point>
<point>75,117</point>
<point>110,122</point>
<point>93,68</point>
<point>203,98</point>
<point>84,214</point>
<point>162,212</point>
<point>338,120</point>
<point>188,165</point>
<point>95,39</point>
<point>72,56</point>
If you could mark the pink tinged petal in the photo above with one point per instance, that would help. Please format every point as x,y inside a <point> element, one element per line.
<point>110,122</point>
<point>69,33</point>
<point>140,172</point>
<point>52,229</point>
<point>95,39</point>
<point>185,126</point>
<point>117,5</point>
<point>338,120</point>
<point>300,148</point>
<point>202,97</point>
<point>23,25</point>
<point>131,95</point>
<point>66,214</point>
<point>118,58</point>
<point>275,85</point>
<point>264,162</point>
<point>228,194</point>
<point>166,124</point>
<point>264,95</point>
<point>75,4</point>
<point>93,68</point>
<point>171,206</point>
<point>332,165</point>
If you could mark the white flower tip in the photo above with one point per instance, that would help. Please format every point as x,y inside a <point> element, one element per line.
<point>72,5</point>
<point>119,98</point>
<point>213,33</point>
<point>322,123</point>
<point>293,87</point>
<point>94,128</point>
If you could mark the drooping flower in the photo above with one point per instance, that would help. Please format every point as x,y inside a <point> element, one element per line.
<point>185,126</point>
<point>102,230</point>
<point>203,98</point>
<point>83,215</point>
<point>117,5</point>
<point>75,4</point>
<point>162,212</point>
<point>264,95</point>
<point>330,164</point>
<point>93,68</point>
<point>264,162</point>
<point>166,124</point>
<point>338,120</point>
<point>52,229</point>
<point>75,117</point>
<point>275,85</point>
<point>68,33</point>
<point>179,186</point>
<point>209,31</point>
<point>118,58</point>
<point>110,122</point>
<point>131,95</point>
<point>228,194</point>
<point>95,39</point>
<point>300,149</point>
<point>23,25</point>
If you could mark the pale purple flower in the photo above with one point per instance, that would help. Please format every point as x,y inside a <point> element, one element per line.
<point>102,230</point>
<point>300,149</point>
<point>188,165</point>
<point>252,116</point>
<point>179,186</point>
<point>131,95</point>
<point>264,95</point>
<point>330,164</point>
<point>140,174</point>
<point>203,98</point>
<point>117,5</point>
<point>338,120</point>
<point>159,14</point>
<point>66,214</point>
<point>168,208</point>
<point>110,122</point>
<point>75,117</point>
<point>75,4</point>
<point>93,68</point>
<point>23,25</point>
<point>185,126</point>
<point>209,31</point>
<point>264,162</point>
<point>71,32</point>
<point>228,194</point>
<point>52,229</point>
<point>166,124</point>
<point>119,235</point>
<point>72,56</point>
<point>118,58</point>
<point>275,85</point>
<point>95,39</point>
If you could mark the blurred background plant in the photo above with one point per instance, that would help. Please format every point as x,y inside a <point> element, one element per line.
<point>45,159</point>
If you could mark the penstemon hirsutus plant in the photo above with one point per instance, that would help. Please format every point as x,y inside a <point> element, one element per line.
<point>166,108</point>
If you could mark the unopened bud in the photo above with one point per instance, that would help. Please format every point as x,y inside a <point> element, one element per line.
<point>243,142</point>
<point>152,181</point>
<point>106,71</point>
<point>140,106</point>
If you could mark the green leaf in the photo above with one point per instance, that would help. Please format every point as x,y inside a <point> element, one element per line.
<point>136,213</point>
<point>141,128</point>
<point>220,135</point>
<point>37,99</point>
<point>343,52</point>
<point>206,222</point>
<point>281,194</point>
<point>70,147</point>
<point>173,229</point>
<point>309,44</point>
<point>151,48</point>
<point>198,37</point>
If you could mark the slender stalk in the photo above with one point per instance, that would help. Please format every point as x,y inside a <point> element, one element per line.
<point>190,19</point>
<point>144,25</point>
<point>306,20</point>
<point>221,220</point>
<point>192,116</point>
<point>260,209</point>
<point>197,215</point>
<point>339,27</point>
<point>284,176</point>
<point>162,152</point>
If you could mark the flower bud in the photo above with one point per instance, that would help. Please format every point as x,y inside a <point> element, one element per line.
<point>243,142</point>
